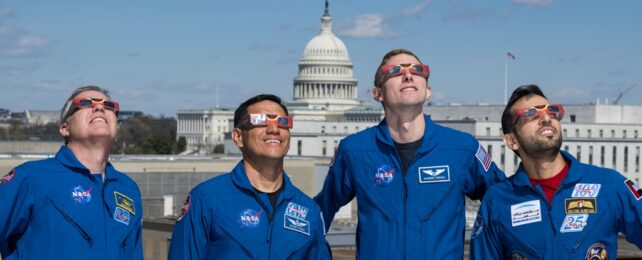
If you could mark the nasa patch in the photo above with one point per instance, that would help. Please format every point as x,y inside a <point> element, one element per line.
<point>8,177</point>
<point>574,223</point>
<point>586,190</point>
<point>596,251</point>
<point>81,195</point>
<point>383,175</point>
<point>432,174</point>
<point>121,215</point>
<point>249,218</point>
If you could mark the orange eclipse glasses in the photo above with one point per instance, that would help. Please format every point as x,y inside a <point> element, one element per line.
<point>390,71</point>
<point>78,103</point>
<point>258,120</point>
<point>556,111</point>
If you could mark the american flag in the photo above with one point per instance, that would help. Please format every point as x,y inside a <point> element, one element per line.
<point>510,56</point>
<point>483,157</point>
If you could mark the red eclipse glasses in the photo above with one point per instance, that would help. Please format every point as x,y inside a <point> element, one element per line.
<point>399,69</point>
<point>269,119</point>
<point>92,102</point>
<point>78,103</point>
<point>530,113</point>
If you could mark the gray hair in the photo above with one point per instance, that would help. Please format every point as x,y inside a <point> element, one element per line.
<point>65,113</point>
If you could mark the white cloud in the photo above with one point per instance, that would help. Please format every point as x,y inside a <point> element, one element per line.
<point>26,45</point>
<point>366,26</point>
<point>533,2</point>
<point>415,10</point>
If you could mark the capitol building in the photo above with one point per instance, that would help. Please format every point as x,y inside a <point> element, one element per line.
<point>326,109</point>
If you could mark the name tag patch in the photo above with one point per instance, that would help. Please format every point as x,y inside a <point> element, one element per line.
<point>580,206</point>
<point>298,225</point>
<point>294,218</point>
<point>586,190</point>
<point>574,223</point>
<point>432,174</point>
<point>526,213</point>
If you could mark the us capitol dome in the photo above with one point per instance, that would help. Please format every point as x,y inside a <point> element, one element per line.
<point>325,80</point>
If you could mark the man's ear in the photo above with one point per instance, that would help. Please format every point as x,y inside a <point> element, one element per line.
<point>511,141</point>
<point>237,137</point>
<point>376,94</point>
<point>64,130</point>
<point>428,91</point>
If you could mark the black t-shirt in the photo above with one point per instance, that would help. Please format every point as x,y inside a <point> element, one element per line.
<point>273,196</point>
<point>407,152</point>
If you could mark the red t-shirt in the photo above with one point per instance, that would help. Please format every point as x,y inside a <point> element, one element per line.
<point>550,185</point>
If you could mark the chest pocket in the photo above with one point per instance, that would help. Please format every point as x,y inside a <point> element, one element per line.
<point>72,218</point>
<point>124,216</point>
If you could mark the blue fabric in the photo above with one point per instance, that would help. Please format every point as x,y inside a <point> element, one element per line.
<point>509,223</point>
<point>56,209</point>
<point>420,215</point>
<point>227,219</point>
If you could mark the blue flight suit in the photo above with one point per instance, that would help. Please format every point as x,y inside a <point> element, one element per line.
<point>419,214</point>
<point>56,209</point>
<point>589,208</point>
<point>225,218</point>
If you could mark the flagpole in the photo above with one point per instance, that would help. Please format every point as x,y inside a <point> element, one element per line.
<point>505,78</point>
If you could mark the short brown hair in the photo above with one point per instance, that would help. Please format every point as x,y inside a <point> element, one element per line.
<point>390,54</point>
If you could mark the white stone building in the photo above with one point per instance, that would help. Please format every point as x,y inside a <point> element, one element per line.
<point>326,109</point>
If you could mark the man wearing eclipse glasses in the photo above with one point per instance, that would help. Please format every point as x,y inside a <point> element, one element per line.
<point>253,212</point>
<point>554,207</point>
<point>410,175</point>
<point>75,205</point>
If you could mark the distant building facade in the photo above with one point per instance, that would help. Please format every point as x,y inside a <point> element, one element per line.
<point>326,109</point>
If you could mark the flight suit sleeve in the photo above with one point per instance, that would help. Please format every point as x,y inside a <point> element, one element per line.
<point>16,205</point>
<point>138,236</point>
<point>337,189</point>
<point>484,242</point>
<point>190,236</point>
<point>321,249</point>
<point>630,196</point>
<point>483,173</point>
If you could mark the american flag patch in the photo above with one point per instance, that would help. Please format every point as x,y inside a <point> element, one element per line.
<point>483,157</point>
<point>634,188</point>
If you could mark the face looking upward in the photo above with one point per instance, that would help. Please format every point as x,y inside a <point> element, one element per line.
<point>90,123</point>
<point>263,142</point>
<point>536,135</point>
<point>406,89</point>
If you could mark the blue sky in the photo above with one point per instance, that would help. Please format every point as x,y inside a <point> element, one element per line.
<point>162,56</point>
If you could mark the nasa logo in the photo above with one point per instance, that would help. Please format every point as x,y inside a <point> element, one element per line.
<point>81,196</point>
<point>384,175</point>
<point>250,218</point>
